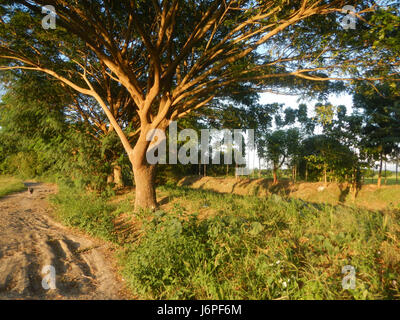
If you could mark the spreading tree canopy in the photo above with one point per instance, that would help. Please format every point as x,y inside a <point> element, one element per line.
<point>165,59</point>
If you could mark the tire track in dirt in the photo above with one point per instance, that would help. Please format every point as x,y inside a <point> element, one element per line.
<point>30,240</point>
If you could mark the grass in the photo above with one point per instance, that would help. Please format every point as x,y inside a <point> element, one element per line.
<point>85,211</point>
<point>390,181</point>
<point>205,245</point>
<point>252,248</point>
<point>9,185</point>
<point>369,197</point>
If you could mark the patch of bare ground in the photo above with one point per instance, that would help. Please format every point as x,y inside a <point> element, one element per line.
<point>31,239</point>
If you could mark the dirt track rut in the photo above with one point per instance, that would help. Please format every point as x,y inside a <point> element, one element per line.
<point>31,240</point>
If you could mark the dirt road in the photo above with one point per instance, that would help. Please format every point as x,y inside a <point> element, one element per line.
<point>30,240</point>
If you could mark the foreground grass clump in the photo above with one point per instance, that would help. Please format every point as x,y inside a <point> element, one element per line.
<point>86,211</point>
<point>10,185</point>
<point>252,248</point>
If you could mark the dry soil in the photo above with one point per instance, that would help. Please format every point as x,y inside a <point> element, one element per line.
<point>30,240</point>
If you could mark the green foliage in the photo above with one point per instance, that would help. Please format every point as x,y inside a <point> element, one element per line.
<point>39,138</point>
<point>10,185</point>
<point>86,211</point>
<point>282,145</point>
<point>324,113</point>
<point>380,134</point>
<point>254,248</point>
<point>323,152</point>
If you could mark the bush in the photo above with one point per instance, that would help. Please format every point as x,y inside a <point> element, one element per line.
<point>86,211</point>
<point>261,249</point>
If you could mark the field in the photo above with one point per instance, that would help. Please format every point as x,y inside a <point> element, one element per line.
<point>10,185</point>
<point>390,180</point>
<point>370,196</point>
<point>202,244</point>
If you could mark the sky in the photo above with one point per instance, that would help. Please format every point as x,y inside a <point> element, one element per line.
<point>293,102</point>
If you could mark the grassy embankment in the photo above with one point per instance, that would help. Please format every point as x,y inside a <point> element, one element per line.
<point>369,197</point>
<point>205,245</point>
<point>10,185</point>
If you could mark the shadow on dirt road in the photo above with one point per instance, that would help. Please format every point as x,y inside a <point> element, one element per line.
<point>31,241</point>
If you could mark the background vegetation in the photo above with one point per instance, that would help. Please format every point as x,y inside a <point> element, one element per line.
<point>79,130</point>
<point>10,185</point>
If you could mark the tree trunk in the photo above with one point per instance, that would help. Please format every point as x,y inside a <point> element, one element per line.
<point>145,187</point>
<point>385,174</point>
<point>354,183</point>
<point>380,171</point>
<point>118,176</point>
<point>397,169</point>
<point>144,175</point>
<point>275,175</point>
<point>110,179</point>
<point>306,171</point>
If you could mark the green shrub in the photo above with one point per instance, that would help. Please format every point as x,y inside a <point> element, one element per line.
<point>260,249</point>
<point>86,211</point>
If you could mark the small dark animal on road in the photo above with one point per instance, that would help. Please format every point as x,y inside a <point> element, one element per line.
<point>30,190</point>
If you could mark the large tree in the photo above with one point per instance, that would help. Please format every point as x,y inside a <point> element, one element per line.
<point>282,146</point>
<point>176,56</point>
<point>380,134</point>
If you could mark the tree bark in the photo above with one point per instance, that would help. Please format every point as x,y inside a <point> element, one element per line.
<point>110,179</point>
<point>144,175</point>
<point>145,187</point>
<point>306,171</point>
<point>275,175</point>
<point>118,176</point>
<point>380,171</point>
<point>385,174</point>
<point>354,184</point>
